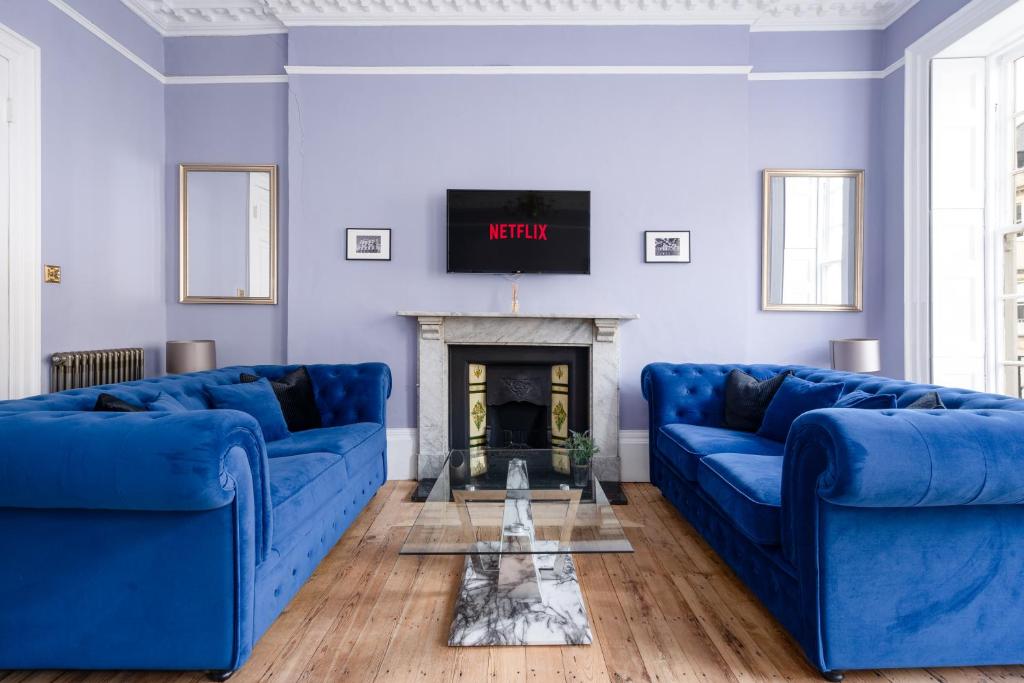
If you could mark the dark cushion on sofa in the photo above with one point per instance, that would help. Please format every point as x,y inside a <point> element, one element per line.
<point>294,392</point>
<point>794,398</point>
<point>747,398</point>
<point>748,489</point>
<point>301,485</point>
<point>257,399</point>
<point>108,403</point>
<point>684,445</point>
<point>929,401</point>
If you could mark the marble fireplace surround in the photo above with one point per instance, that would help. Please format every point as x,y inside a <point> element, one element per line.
<point>438,330</point>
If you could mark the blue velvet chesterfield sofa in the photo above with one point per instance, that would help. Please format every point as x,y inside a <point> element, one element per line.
<point>878,538</point>
<point>160,540</point>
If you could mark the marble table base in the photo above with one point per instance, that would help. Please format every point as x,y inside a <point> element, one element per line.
<point>492,611</point>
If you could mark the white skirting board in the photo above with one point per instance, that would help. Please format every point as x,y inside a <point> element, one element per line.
<point>632,451</point>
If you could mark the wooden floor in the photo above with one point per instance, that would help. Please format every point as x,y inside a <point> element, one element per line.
<point>669,612</point>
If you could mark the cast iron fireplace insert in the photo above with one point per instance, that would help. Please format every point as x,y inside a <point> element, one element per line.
<point>518,399</point>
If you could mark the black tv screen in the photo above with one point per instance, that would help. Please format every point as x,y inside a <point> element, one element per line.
<point>512,231</point>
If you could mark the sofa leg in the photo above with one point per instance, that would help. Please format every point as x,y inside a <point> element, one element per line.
<point>834,676</point>
<point>220,675</point>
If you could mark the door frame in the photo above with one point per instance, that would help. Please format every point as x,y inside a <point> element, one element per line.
<point>25,240</point>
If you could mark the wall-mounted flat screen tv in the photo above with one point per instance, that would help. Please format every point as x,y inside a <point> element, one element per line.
<point>518,231</point>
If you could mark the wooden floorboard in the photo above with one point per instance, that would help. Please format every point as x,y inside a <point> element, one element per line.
<point>670,611</point>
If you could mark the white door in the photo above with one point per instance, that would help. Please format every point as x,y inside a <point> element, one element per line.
<point>5,230</point>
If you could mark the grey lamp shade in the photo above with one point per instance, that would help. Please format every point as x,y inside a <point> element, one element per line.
<point>856,355</point>
<point>193,355</point>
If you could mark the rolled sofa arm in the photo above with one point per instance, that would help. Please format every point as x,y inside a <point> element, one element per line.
<point>907,458</point>
<point>132,461</point>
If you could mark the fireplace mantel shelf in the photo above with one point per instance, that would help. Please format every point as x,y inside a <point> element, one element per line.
<point>561,316</point>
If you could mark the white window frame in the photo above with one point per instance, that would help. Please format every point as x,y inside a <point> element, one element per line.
<point>999,210</point>
<point>917,350</point>
<point>25,308</point>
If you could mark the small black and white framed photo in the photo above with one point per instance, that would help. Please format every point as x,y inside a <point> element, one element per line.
<point>368,244</point>
<point>667,246</point>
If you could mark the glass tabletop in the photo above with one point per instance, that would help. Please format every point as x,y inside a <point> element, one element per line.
<point>514,502</point>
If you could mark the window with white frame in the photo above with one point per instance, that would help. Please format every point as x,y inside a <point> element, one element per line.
<point>1008,220</point>
<point>977,222</point>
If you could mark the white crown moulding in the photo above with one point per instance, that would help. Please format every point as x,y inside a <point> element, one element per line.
<point>253,17</point>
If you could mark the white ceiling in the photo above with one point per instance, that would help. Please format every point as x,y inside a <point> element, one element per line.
<point>248,17</point>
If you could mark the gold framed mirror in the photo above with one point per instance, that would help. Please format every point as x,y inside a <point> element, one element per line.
<point>228,234</point>
<point>812,240</point>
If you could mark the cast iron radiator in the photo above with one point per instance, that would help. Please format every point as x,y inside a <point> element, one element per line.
<point>76,369</point>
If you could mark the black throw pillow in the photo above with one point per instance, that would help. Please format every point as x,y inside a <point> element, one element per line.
<point>929,401</point>
<point>108,403</point>
<point>747,399</point>
<point>294,392</point>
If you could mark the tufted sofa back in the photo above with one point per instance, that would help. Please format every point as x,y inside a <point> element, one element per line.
<point>693,393</point>
<point>344,393</point>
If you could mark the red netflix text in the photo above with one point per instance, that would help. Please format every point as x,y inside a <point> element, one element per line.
<point>519,231</point>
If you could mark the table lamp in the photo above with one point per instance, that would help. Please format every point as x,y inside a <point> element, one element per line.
<point>192,355</point>
<point>856,355</point>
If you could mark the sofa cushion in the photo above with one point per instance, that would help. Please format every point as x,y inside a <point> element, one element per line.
<point>294,392</point>
<point>747,398</point>
<point>108,403</point>
<point>300,487</point>
<point>684,445</point>
<point>166,403</point>
<point>794,398</point>
<point>258,400</point>
<point>748,489</point>
<point>865,401</point>
<point>929,401</point>
<point>340,440</point>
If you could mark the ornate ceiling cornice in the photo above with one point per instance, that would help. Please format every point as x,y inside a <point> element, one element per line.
<point>242,17</point>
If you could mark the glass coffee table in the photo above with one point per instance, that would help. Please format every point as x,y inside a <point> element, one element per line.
<point>517,519</point>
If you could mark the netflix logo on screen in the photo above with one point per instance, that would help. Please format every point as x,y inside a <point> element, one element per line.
<point>518,231</point>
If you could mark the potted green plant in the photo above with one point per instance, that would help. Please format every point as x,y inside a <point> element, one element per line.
<point>582,449</point>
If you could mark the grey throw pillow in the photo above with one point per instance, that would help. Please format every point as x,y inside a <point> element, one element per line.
<point>929,401</point>
<point>747,399</point>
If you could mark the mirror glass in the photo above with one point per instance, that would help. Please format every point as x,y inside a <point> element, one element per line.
<point>812,240</point>
<point>228,234</point>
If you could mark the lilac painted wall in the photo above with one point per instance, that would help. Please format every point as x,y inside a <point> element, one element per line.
<point>892,198</point>
<point>231,124</point>
<point>534,45</point>
<point>917,21</point>
<point>814,124</point>
<point>234,56</point>
<point>102,185</point>
<point>656,153</point>
<point>816,50</point>
<point>125,26</point>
